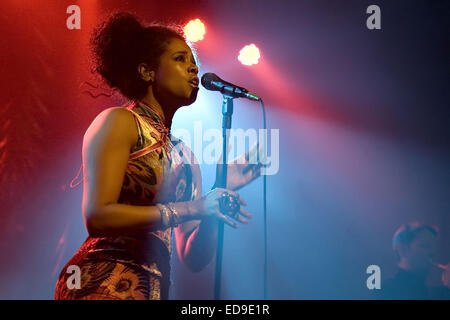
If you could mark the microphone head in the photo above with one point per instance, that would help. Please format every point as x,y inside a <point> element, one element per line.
<point>207,80</point>
<point>212,82</point>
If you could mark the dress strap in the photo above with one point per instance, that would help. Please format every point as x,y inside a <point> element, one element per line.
<point>140,123</point>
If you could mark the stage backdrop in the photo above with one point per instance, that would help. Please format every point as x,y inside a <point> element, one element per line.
<point>363,124</point>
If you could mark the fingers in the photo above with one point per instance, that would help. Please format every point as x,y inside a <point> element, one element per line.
<point>241,200</point>
<point>242,220</point>
<point>252,169</point>
<point>230,222</point>
<point>226,219</point>
<point>252,153</point>
<point>255,152</point>
<point>245,213</point>
<point>250,156</point>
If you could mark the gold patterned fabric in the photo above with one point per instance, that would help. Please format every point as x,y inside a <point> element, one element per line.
<point>126,267</point>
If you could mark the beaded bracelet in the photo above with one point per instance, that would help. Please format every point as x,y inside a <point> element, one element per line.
<point>166,219</point>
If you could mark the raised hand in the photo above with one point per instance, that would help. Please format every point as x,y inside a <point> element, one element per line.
<point>242,170</point>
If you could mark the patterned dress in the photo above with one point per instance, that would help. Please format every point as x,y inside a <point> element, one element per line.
<point>123,267</point>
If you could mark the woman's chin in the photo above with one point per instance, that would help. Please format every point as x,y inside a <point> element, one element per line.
<point>192,97</point>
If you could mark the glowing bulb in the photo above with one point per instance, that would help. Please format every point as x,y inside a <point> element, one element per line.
<point>194,30</point>
<point>249,55</point>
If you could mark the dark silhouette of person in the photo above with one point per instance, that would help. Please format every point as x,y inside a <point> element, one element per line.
<point>415,245</point>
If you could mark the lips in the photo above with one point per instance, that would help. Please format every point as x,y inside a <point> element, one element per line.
<point>194,81</point>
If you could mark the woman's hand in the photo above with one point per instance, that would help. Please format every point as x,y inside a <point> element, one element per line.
<point>242,170</point>
<point>208,206</point>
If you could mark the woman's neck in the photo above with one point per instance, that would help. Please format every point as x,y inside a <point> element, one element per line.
<point>165,112</point>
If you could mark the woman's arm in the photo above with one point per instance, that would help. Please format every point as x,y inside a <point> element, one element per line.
<point>106,150</point>
<point>196,240</point>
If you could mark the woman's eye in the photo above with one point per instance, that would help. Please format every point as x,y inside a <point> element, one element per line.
<point>179,58</point>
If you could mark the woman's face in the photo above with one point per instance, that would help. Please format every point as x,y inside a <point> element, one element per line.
<point>176,80</point>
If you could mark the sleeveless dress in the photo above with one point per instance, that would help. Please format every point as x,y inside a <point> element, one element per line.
<point>124,267</point>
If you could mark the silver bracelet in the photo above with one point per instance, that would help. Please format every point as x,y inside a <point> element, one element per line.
<point>165,216</point>
<point>175,216</point>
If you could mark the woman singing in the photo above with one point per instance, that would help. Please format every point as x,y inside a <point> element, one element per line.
<point>137,186</point>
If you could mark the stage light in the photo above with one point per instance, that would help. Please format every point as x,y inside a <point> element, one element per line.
<point>194,30</point>
<point>249,55</point>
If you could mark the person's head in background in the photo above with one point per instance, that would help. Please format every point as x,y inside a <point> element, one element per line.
<point>415,245</point>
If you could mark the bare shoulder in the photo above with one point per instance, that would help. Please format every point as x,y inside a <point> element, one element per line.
<point>114,122</point>
<point>114,115</point>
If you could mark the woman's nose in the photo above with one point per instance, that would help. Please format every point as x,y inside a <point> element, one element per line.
<point>193,68</point>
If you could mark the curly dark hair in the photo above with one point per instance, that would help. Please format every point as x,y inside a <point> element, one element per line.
<point>121,42</point>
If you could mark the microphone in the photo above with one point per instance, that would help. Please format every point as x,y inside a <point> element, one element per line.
<point>212,82</point>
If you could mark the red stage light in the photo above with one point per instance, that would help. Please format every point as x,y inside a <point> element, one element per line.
<point>249,55</point>
<point>194,30</point>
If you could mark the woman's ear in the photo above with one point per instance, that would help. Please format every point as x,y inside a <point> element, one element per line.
<point>145,73</point>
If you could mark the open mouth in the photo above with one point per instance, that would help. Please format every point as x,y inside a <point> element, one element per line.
<point>194,82</point>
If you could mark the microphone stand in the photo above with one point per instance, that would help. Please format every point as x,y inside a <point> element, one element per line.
<point>227,112</point>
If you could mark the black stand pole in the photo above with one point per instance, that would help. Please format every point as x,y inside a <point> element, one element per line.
<point>227,112</point>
